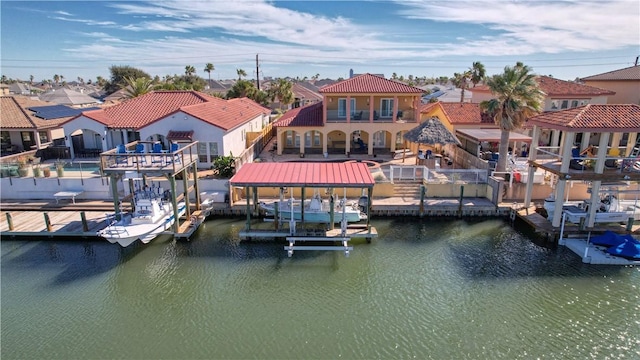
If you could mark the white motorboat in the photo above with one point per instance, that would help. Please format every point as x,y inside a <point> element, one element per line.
<point>151,216</point>
<point>316,210</point>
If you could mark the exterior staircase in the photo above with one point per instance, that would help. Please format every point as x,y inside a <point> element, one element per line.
<point>407,190</point>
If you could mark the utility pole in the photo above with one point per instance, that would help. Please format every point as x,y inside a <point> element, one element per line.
<point>257,73</point>
<point>636,64</point>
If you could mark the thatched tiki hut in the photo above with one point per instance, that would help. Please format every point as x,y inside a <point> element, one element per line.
<point>430,132</point>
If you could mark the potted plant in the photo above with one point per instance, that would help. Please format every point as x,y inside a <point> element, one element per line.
<point>37,172</point>
<point>60,167</point>
<point>46,171</point>
<point>23,170</point>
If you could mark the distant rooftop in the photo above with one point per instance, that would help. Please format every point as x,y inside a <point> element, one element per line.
<point>630,73</point>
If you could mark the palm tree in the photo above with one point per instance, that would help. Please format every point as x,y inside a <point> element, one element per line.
<point>477,73</point>
<point>56,78</point>
<point>281,90</point>
<point>138,86</point>
<point>31,79</point>
<point>516,98</point>
<point>461,80</point>
<point>241,73</point>
<point>189,70</point>
<point>208,69</point>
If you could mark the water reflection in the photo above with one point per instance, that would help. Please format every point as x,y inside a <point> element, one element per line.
<point>426,288</point>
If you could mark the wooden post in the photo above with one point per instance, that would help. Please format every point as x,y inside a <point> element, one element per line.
<point>85,225</point>
<point>195,187</point>
<point>174,202</point>
<point>185,185</point>
<point>422,192</point>
<point>114,194</point>
<point>47,222</point>
<point>277,214</point>
<point>302,195</point>
<point>460,204</point>
<point>332,204</point>
<point>10,221</point>
<point>255,200</point>
<point>248,196</point>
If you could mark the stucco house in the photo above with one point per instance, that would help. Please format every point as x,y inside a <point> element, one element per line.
<point>365,114</point>
<point>560,95</point>
<point>24,129</point>
<point>624,82</point>
<point>220,126</point>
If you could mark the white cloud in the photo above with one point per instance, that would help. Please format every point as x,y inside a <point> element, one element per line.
<point>540,26</point>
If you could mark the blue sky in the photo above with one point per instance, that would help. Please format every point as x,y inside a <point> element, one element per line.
<point>566,39</point>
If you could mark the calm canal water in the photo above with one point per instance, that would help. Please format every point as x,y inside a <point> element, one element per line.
<point>429,289</point>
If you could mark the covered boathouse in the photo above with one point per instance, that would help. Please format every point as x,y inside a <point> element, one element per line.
<point>304,175</point>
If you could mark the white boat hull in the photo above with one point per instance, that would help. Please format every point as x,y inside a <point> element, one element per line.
<point>320,214</point>
<point>575,214</point>
<point>129,229</point>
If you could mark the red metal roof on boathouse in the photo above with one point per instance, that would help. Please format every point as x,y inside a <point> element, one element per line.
<point>311,174</point>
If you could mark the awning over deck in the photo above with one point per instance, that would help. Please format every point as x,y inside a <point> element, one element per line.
<point>304,174</point>
<point>491,135</point>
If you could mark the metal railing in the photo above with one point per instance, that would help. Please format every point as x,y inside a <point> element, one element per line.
<point>443,176</point>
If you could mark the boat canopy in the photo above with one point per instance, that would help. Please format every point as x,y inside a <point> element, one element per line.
<point>304,174</point>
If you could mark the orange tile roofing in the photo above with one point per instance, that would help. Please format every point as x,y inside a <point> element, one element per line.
<point>592,117</point>
<point>556,87</point>
<point>310,115</point>
<point>14,114</point>
<point>466,113</point>
<point>369,84</point>
<point>630,73</point>
<point>141,111</point>
<point>307,174</point>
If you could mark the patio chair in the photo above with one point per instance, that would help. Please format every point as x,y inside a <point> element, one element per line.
<point>357,116</point>
<point>158,154</point>
<point>174,158</point>
<point>138,151</point>
<point>375,115</point>
<point>121,160</point>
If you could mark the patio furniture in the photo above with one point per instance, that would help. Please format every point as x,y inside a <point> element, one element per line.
<point>158,154</point>
<point>121,149</point>
<point>67,195</point>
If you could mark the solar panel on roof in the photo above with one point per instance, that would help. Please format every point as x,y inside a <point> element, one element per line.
<point>57,111</point>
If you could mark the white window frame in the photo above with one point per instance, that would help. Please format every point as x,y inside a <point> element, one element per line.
<point>386,107</point>
<point>342,107</point>
<point>379,139</point>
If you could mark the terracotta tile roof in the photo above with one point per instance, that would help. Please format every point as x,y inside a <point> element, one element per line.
<point>425,108</point>
<point>226,114</point>
<point>180,135</point>
<point>14,114</point>
<point>303,92</point>
<point>310,115</point>
<point>466,113</point>
<point>368,83</point>
<point>593,118</point>
<point>630,73</point>
<point>141,111</point>
<point>556,88</point>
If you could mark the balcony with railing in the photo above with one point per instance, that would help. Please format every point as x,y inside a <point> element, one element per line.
<point>365,116</point>
<point>582,165</point>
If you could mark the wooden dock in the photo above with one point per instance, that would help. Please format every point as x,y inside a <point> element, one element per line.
<point>59,224</point>
<point>543,226</point>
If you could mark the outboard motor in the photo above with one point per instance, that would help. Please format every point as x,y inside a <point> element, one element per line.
<point>363,201</point>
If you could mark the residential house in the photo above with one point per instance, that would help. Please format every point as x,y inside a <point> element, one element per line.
<point>560,95</point>
<point>613,161</point>
<point>305,94</point>
<point>624,82</point>
<point>65,96</point>
<point>476,129</point>
<point>220,126</point>
<point>23,129</point>
<point>18,88</point>
<point>365,114</point>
